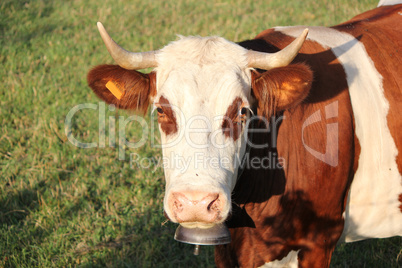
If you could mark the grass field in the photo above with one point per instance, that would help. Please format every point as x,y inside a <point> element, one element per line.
<point>61,205</point>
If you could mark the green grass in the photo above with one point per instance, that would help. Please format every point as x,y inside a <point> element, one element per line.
<point>63,206</point>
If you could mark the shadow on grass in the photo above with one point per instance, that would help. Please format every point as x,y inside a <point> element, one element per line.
<point>16,206</point>
<point>145,245</point>
<point>17,235</point>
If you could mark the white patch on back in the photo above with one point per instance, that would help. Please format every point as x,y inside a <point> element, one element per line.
<point>389,2</point>
<point>289,261</point>
<point>373,208</point>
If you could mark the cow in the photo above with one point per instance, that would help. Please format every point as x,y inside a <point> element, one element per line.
<point>292,139</point>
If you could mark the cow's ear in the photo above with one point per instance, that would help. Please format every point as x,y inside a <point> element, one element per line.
<point>127,89</point>
<point>281,88</point>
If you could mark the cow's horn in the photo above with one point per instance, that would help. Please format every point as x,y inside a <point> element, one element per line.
<point>266,61</point>
<point>126,59</point>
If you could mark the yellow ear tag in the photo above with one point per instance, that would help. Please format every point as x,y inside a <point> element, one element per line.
<point>114,88</point>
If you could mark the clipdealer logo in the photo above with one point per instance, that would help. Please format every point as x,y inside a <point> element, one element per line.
<point>329,156</point>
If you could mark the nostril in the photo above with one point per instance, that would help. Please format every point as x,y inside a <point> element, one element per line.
<point>213,205</point>
<point>177,205</point>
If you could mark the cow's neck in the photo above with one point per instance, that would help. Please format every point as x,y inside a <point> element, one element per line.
<point>257,182</point>
<point>256,202</point>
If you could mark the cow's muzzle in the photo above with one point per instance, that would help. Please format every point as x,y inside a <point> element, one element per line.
<point>196,208</point>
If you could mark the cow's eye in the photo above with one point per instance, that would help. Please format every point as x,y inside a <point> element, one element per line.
<point>160,110</point>
<point>243,111</point>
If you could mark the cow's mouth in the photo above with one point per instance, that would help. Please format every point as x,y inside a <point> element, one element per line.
<point>201,225</point>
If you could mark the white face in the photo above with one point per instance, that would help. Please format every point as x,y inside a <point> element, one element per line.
<point>203,101</point>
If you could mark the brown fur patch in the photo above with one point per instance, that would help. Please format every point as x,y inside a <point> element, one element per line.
<point>136,88</point>
<point>380,32</point>
<point>400,200</point>
<point>166,119</point>
<point>232,122</point>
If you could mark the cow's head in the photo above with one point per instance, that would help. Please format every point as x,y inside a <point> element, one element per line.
<point>203,91</point>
